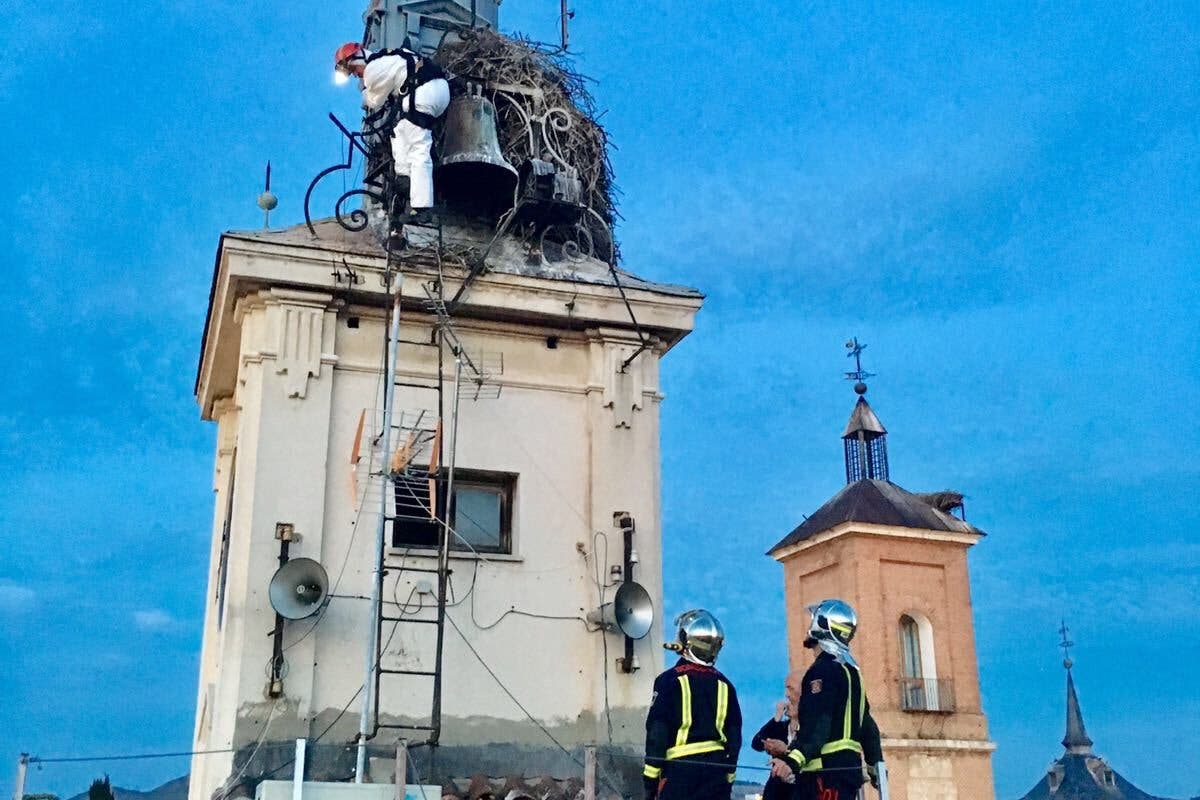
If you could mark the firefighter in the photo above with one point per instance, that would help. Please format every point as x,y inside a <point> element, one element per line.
<point>836,733</point>
<point>419,86</point>
<point>694,728</point>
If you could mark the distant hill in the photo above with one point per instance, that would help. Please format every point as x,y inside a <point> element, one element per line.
<point>171,790</point>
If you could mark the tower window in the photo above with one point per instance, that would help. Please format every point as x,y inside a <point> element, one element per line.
<point>480,512</point>
<point>910,646</point>
<point>920,688</point>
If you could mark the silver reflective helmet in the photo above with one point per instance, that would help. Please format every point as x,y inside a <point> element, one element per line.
<point>699,637</point>
<point>832,627</point>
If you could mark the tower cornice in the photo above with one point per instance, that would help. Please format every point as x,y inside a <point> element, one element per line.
<point>868,529</point>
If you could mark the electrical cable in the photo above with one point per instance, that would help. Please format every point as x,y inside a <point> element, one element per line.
<point>231,783</point>
<point>269,746</point>
<point>603,636</point>
<point>758,767</point>
<point>479,557</point>
<point>519,705</point>
<point>550,480</point>
<point>340,714</point>
<point>128,757</point>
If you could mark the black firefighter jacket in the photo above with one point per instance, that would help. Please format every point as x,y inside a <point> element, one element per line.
<point>836,731</point>
<point>695,716</point>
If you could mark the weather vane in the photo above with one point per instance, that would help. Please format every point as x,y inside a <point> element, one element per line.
<point>856,349</point>
<point>1066,644</point>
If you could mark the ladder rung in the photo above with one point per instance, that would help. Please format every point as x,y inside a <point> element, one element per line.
<point>407,672</point>
<point>397,726</point>
<point>416,385</point>
<point>408,619</point>
<point>399,568</point>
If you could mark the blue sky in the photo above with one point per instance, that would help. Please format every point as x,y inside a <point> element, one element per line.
<point>1002,202</point>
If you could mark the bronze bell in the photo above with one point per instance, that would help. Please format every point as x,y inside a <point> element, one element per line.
<point>472,173</point>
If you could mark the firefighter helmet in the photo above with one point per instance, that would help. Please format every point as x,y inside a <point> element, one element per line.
<point>832,627</point>
<point>699,638</point>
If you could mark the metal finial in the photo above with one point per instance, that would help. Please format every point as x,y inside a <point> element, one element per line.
<point>267,200</point>
<point>1066,645</point>
<point>858,375</point>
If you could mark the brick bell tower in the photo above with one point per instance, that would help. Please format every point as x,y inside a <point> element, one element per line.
<point>900,559</point>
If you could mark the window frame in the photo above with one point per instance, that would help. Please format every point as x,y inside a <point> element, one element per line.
<point>505,486</point>
<point>920,692</point>
<point>222,576</point>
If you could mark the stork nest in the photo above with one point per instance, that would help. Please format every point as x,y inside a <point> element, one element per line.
<point>543,110</point>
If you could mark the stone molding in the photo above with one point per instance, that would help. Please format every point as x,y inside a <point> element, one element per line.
<point>624,391</point>
<point>871,529</point>
<point>964,745</point>
<point>297,332</point>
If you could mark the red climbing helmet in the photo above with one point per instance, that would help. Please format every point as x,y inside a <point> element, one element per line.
<point>344,54</point>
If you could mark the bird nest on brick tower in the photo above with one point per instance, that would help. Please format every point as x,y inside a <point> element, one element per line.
<point>547,131</point>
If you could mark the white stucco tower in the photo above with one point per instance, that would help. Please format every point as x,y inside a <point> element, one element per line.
<point>290,363</point>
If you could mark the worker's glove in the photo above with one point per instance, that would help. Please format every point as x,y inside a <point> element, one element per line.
<point>873,775</point>
<point>651,786</point>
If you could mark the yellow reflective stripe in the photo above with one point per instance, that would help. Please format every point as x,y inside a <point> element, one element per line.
<point>731,776</point>
<point>840,745</point>
<point>693,749</point>
<point>651,772</point>
<point>685,722</point>
<point>862,700</point>
<point>849,690</point>
<point>797,758</point>
<point>813,766</point>
<point>722,708</point>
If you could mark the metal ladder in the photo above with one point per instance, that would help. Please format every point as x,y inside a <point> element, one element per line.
<point>473,377</point>
<point>404,484</point>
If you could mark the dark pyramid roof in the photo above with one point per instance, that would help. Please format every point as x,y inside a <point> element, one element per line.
<point>878,503</point>
<point>1077,782</point>
<point>1076,740</point>
<point>863,419</point>
<point>1080,774</point>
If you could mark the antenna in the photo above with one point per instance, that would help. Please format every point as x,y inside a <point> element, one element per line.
<point>267,200</point>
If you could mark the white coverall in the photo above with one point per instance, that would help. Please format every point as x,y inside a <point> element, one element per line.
<point>411,144</point>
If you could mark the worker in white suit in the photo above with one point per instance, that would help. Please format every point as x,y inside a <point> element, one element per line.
<point>419,86</point>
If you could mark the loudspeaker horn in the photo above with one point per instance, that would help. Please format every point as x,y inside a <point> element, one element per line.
<point>299,588</point>
<point>631,611</point>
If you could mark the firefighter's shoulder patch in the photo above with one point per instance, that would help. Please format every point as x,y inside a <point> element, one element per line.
<point>814,686</point>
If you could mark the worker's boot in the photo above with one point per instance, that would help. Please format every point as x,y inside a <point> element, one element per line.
<point>400,190</point>
<point>398,196</point>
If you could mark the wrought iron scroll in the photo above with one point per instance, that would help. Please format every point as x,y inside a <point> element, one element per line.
<point>544,125</point>
<point>356,219</point>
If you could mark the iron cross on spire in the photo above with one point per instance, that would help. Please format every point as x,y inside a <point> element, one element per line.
<point>1066,644</point>
<point>856,349</point>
